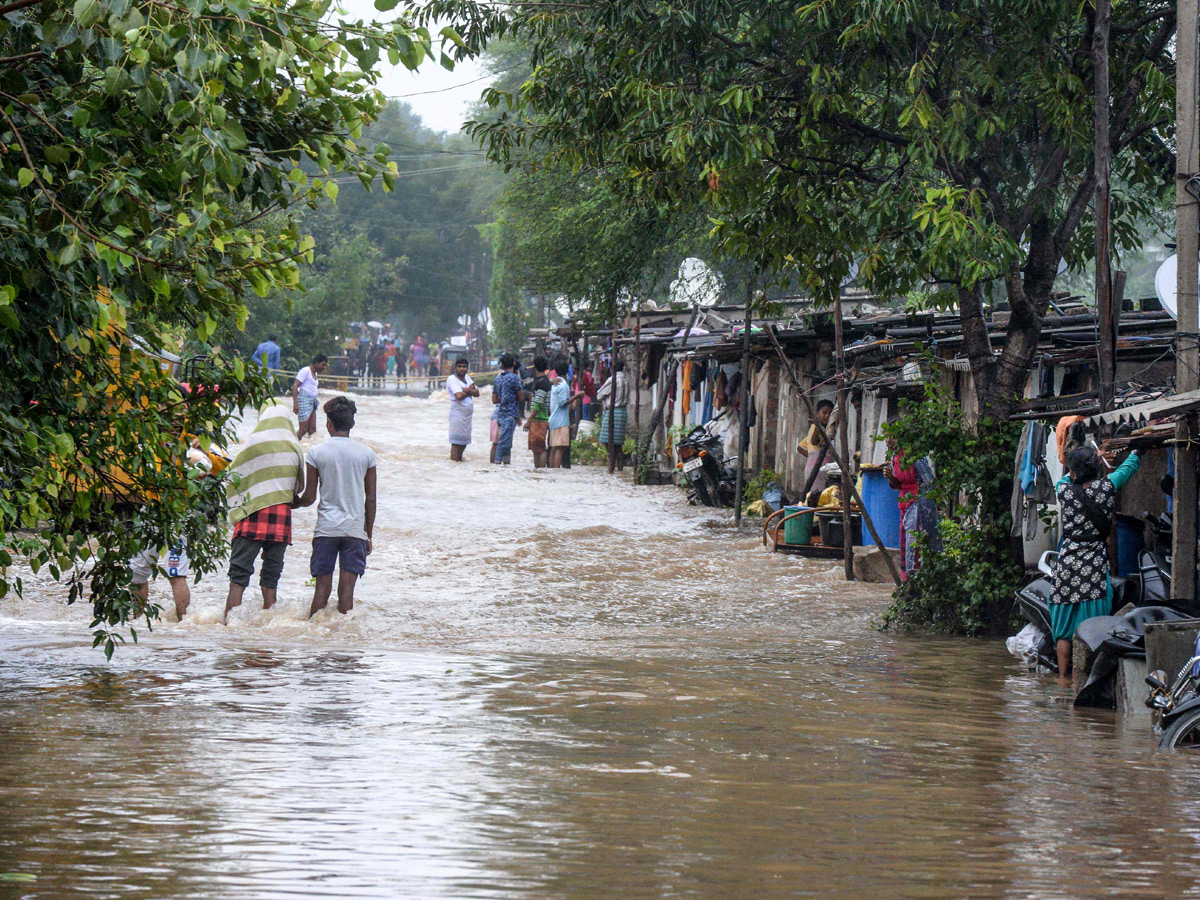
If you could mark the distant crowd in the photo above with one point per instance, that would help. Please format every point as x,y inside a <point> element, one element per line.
<point>377,357</point>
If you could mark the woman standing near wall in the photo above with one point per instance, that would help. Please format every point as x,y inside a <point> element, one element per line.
<point>1086,503</point>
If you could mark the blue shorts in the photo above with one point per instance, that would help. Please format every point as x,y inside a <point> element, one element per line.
<point>326,552</point>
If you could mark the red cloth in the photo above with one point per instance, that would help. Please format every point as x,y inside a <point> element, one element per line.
<point>588,385</point>
<point>909,486</point>
<point>271,524</point>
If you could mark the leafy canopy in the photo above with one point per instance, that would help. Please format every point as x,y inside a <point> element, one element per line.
<point>944,143</point>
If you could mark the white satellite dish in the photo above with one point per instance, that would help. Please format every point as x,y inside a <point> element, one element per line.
<point>851,275</point>
<point>1165,284</point>
<point>697,284</point>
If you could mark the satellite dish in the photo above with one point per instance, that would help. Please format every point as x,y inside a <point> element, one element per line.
<point>1165,284</point>
<point>696,284</point>
<point>851,275</point>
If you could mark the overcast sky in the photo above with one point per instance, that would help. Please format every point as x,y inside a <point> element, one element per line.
<point>439,97</point>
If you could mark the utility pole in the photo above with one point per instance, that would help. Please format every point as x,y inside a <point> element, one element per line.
<point>1187,352</point>
<point>1106,348</point>
<point>743,418</point>
<point>839,354</point>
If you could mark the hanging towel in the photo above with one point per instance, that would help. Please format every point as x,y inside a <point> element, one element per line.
<point>270,467</point>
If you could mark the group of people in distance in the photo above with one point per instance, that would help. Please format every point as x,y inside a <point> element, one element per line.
<point>548,425</point>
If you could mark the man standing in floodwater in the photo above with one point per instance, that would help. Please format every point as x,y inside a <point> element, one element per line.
<point>270,474</point>
<point>462,391</point>
<point>304,396</point>
<point>559,424</point>
<point>344,470</point>
<point>268,353</point>
<point>508,397</point>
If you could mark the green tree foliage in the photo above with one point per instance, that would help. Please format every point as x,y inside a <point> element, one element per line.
<point>968,588</point>
<point>571,235</point>
<point>343,284</point>
<point>931,142</point>
<point>509,311</point>
<point>147,147</point>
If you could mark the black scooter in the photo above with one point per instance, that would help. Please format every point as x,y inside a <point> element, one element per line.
<point>1113,638</point>
<point>1033,601</point>
<point>702,463</point>
<point>1154,562</point>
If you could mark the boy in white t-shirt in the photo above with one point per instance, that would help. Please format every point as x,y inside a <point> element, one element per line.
<point>304,396</point>
<point>344,470</point>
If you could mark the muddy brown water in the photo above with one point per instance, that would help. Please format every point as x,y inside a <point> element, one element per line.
<point>561,686</point>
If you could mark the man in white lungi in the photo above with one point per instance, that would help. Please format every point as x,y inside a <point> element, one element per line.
<point>462,391</point>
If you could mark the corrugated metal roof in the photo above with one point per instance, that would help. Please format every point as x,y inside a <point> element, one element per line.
<point>1151,409</point>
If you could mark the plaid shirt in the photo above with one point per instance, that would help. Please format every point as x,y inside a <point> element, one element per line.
<point>271,524</point>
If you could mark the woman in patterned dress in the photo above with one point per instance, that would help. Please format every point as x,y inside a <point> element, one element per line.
<point>1086,504</point>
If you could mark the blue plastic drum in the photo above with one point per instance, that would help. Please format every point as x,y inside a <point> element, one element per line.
<point>883,506</point>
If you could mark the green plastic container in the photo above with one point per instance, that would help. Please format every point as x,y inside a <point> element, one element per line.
<point>799,529</point>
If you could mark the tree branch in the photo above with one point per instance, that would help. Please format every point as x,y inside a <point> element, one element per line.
<point>18,4</point>
<point>1134,88</point>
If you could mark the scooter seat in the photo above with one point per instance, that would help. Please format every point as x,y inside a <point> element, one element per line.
<point>1129,628</point>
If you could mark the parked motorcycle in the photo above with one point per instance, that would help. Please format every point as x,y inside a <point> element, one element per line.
<point>1154,562</point>
<point>1033,601</point>
<point>702,462</point>
<point>1176,707</point>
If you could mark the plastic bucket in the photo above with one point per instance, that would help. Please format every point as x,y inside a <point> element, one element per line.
<point>882,503</point>
<point>799,529</point>
<point>1129,544</point>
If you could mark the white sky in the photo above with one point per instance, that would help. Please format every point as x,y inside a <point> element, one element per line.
<point>439,97</point>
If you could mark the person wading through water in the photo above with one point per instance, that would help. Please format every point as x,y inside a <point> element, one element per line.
<point>538,425</point>
<point>462,391</point>
<point>617,384</point>
<point>344,470</point>
<point>1086,503</point>
<point>270,475</point>
<point>508,397</point>
<point>304,395</point>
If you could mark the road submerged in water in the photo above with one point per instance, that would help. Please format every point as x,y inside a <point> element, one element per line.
<point>559,685</point>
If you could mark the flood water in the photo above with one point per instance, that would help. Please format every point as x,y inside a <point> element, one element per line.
<point>559,685</point>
